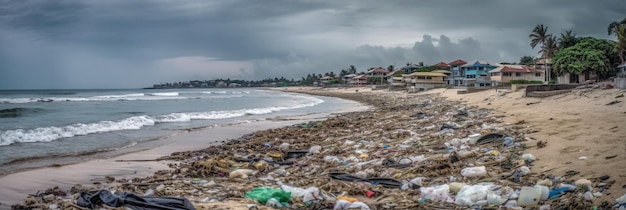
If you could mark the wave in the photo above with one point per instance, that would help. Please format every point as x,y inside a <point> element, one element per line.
<point>124,97</point>
<point>47,134</point>
<point>163,94</point>
<point>18,112</point>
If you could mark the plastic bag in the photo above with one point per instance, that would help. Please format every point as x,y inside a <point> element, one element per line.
<point>435,193</point>
<point>308,194</point>
<point>344,205</point>
<point>471,194</point>
<point>263,194</point>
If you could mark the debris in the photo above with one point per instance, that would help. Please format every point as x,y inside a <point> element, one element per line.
<point>614,102</point>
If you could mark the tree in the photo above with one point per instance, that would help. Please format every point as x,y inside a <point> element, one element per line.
<point>590,55</point>
<point>343,73</point>
<point>614,26</point>
<point>390,68</point>
<point>352,70</point>
<point>527,60</point>
<point>567,39</point>
<point>539,36</point>
<point>549,47</point>
<point>621,42</point>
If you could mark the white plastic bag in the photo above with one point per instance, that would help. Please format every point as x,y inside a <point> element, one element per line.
<point>345,205</point>
<point>308,194</point>
<point>474,171</point>
<point>436,193</point>
<point>471,194</point>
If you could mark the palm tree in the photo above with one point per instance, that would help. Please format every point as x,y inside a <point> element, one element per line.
<point>614,26</point>
<point>549,47</point>
<point>539,36</point>
<point>621,42</point>
<point>567,39</point>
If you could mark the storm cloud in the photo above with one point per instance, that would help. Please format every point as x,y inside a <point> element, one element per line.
<point>131,44</point>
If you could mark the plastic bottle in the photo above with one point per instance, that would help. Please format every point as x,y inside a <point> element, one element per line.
<point>474,171</point>
<point>508,141</point>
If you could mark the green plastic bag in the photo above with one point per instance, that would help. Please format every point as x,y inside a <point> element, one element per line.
<point>263,194</point>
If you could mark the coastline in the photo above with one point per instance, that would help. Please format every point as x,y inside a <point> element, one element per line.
<point>17,186</point>
<point>511,111</point>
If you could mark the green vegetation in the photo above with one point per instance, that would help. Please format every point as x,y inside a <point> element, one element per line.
<point>428,68</point>
<point>523,81</point>
<point>527,60</point>
<point>590,55</point>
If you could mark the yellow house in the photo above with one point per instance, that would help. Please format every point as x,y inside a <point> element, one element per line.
<point>425,80</point>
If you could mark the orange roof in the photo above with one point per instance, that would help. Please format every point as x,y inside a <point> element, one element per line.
<point>379,70</point>
<point>442,64</point>
<point>457,62</point>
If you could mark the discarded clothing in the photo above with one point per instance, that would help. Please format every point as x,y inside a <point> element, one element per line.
<point>132,201</point>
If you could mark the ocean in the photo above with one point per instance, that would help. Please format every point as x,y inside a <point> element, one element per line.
<point>40,128</point>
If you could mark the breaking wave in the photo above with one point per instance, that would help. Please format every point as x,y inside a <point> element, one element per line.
<point>46,134</point>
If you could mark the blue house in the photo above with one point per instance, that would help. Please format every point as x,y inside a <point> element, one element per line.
<point>477,73</point>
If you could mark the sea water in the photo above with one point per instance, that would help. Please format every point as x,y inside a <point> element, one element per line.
<point>43,127</point>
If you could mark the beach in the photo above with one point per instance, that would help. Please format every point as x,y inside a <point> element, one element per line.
<point>580,131</point>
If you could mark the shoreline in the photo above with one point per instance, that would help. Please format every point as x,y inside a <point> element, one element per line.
<point>395,118</point>
<point>17,186</point>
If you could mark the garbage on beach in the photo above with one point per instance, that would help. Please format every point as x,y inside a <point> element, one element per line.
<point>411,153</point>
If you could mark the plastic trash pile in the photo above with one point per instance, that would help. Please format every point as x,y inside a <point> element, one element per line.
<point>411,152</point>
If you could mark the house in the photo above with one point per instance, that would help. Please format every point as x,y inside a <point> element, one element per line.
<point>378,73</point>
<point>620,80</point>
<point>410,68</point>
<point>476,73</point>
<point>425,80</point>
<point>505,73</point>
<point>347,78</point>
<point>568,78</point>
<point>396,81</point>
<point>443,65</point>
<point>326,79</point>
<point>220,84</point>
<point>448,78</point>
<point>457,75</point>
<point>545,64</point>
<point>359,80</point>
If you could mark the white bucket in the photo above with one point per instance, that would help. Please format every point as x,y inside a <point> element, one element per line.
<point>529,196</point>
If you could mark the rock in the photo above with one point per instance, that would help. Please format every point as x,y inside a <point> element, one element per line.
<point>49,198</point>
<point>160,188</point>
<point>30,201</point>
<point>582,182</point>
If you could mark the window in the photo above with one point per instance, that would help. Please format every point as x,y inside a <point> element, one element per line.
<point>537,74</point>
<point>470,76</point>
<point>506,74</point>
<point>421,77</point>
<point>518,74</point>
<point>429,78</point>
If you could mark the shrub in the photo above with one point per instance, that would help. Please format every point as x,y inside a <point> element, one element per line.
<point>523,81</point>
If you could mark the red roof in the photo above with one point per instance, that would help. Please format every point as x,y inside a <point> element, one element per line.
<point>379,70</point>
<point>442,64</point>
<point>457,62</point>
<point>523,69</point>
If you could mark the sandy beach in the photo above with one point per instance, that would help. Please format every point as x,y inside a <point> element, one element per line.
<point>93,173</point>
<point>582,134</point>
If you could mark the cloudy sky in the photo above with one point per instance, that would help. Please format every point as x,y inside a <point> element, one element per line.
<point>136,43</point>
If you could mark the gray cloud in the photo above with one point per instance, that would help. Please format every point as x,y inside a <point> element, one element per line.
<point>118,43</point>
